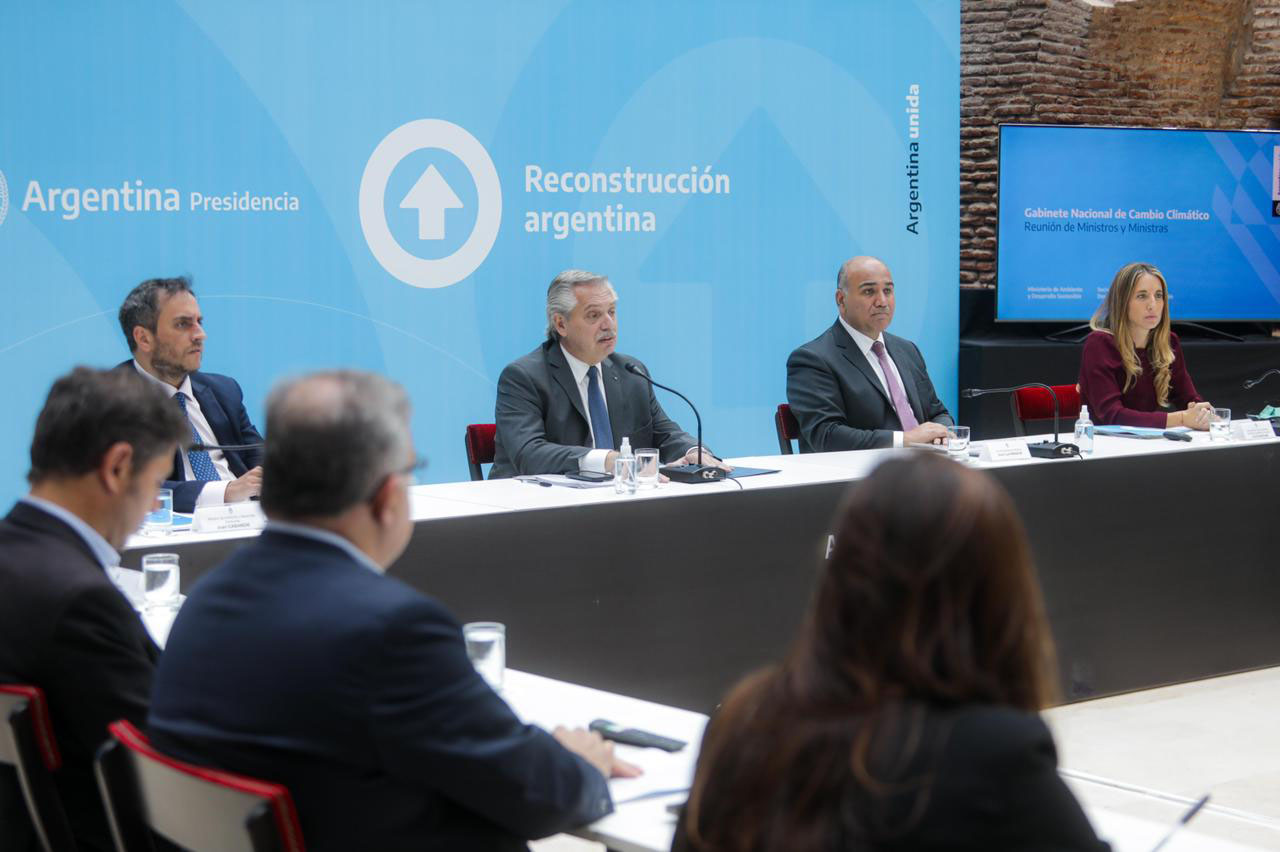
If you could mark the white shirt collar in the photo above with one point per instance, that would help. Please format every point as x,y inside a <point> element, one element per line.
<point>864,342</point>
<point>326,537</point>
<point>102,549</point>
<point>580,368</point>
<point>185,387</point>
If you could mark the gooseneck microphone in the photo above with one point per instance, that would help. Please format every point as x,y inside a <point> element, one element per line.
<point>225,447</point>
<point>1252,382</point>
<point>682,472</point>
<point>1054,449</point>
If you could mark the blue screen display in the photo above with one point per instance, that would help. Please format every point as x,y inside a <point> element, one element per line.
<point>1078,203</point>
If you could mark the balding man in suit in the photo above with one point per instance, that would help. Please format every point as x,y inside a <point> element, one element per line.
<point>857,387</point>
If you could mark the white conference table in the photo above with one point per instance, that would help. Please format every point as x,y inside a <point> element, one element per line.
<point>465,499</point>
<point>1131,821</point>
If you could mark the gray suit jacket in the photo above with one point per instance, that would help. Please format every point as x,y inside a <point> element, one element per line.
<point>839,402</point>
<point>543,428</point>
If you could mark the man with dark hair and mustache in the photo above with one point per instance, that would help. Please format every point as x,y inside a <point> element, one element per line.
<point>856,387</point>
<point>567,405</point>
<point>164,328</point>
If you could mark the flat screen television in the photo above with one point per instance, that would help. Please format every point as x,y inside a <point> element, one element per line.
<point>1078,203</point>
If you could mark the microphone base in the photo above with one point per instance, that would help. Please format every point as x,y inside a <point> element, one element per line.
<point>693,473</point>
<point>1053,450</point>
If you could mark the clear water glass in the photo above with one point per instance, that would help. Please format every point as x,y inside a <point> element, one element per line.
<point>487,650</point>
<point>1220,425</point>
<point>159,521</point>
<point>160,579</point>
<point>646,469</point>
<point>958,441</point>
<point>624,474</point>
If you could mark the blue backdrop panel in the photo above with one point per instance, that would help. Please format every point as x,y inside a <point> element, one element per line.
<point>392,187</point>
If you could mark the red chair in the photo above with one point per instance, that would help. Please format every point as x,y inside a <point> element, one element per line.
<point>27,744</point>
<point>787,427</point>
<point>1036,404</point>
<point>197,808</point>
<point>479,442</point>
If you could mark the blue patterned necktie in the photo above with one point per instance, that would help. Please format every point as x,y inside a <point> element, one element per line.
<point>599,414</point>
<point>201,464</point>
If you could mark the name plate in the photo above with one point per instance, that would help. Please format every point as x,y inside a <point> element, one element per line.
<point>1251,430</point>
<point>999,451</point>
<point>229,517</point>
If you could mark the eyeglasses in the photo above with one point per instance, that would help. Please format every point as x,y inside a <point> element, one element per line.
<point>412,470</point>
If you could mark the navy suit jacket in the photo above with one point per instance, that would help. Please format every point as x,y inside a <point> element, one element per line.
<point>65,628</point>
<point>294,663</point>
<point>839,402</point>
<point>222,403</point>
<point>543,428</point>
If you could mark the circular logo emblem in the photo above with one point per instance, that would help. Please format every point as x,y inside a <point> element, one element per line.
<point>431,196</point>
<point>4,198</point>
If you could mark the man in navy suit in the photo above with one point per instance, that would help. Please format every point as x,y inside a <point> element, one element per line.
<point>297,660</point>
<point>162,323</point>
<point>857,387</point>
<point>102,445</point>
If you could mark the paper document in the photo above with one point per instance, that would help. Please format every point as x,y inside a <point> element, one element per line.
<point>1145,432</point>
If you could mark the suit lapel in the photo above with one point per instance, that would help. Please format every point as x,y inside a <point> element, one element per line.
<point>853,354</point>
<point>904,361</point>
<point>564,377</point>
<point>212,411</point>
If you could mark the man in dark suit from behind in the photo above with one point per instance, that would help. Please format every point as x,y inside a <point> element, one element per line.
<point>103,444</point>
<point>566,406</point>
<point>857,387</point>
<point>164,328</point>
<point>298,661</point>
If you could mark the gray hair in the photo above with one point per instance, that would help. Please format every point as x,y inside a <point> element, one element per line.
<point>141,306</point>
<point>332,437</point>
<point>562,298</point>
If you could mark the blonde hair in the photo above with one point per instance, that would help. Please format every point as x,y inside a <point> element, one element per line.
<point>1112,316</point>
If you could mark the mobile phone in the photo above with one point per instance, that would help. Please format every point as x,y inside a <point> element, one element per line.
<point>589,476</point>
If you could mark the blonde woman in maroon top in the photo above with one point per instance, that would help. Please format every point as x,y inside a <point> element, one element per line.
<point>1132,371</point>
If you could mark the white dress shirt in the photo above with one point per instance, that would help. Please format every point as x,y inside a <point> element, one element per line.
<point>102,549</point>
<point>594,459</point>
<point>865,343</point>
<point>213,493</point>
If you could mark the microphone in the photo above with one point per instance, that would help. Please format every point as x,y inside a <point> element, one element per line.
<point>690,473</point>
<point>225,447</point>
<point>1054,449</point>
<point>1251,382</point>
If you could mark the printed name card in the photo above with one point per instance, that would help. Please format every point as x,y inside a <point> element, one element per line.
<point>1000,451</point>
<point>229,518</point>
<point>1251,430</point>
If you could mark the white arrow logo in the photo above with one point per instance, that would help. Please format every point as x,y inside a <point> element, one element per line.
<point>431,196</point>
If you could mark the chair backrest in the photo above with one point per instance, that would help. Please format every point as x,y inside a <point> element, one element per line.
<point>787,427</point>
<point>1031,404</point>
<point>479,442</point>
<point>28,745</point>
<point>195,807</point>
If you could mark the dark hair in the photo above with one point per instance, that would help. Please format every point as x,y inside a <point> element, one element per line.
<point>331,438</point>
<point>928,599</point>
<point>141,306</point>
<point>87,411</point>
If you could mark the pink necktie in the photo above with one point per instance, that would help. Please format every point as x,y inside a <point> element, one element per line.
<point>905,414</point>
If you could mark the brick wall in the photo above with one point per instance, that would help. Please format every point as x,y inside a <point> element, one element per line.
<point>1168,63</point>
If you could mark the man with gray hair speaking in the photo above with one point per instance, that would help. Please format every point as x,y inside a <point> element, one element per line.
<point>567,405</point>
<point>297,660</point>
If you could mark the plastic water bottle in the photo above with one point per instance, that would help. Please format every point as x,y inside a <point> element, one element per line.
<point>1084,432</point>
<point>624,469</point>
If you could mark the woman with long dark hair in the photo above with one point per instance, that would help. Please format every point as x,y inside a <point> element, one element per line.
<point>906,714</point>
<point>1132,371</point>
